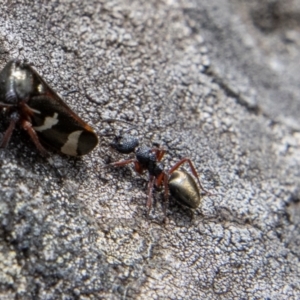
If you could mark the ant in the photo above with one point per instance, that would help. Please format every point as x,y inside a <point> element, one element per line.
<point>181,184</point>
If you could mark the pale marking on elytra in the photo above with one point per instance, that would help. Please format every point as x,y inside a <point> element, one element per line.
<point>34,110</point>
<point>48,123</point>
<point>40,88</point>
<point>71,145</point>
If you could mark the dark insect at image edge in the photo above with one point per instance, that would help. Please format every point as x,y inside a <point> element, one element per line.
<point>34,106</point>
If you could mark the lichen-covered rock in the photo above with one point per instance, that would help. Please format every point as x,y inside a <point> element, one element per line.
<point>208,80</point>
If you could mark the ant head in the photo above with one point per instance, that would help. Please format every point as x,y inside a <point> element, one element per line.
<point>125,144</point>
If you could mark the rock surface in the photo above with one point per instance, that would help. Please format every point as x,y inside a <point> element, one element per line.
<point>217,82</point>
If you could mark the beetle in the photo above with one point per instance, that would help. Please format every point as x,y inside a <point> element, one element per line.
<point>180,184</point>
<point>33,105</point>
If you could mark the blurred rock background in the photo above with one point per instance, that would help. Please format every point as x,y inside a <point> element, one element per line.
<point>216,81</point>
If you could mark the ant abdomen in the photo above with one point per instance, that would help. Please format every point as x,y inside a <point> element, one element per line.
<point>184,189</point>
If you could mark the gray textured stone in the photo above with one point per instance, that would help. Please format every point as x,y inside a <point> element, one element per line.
<point>216,81</point>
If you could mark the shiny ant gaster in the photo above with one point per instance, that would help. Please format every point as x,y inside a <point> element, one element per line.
<point>180,183</point>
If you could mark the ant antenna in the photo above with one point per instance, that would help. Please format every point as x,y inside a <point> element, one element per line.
<point>122,131</point>
<point>109,120</point>
<point>70,92</point>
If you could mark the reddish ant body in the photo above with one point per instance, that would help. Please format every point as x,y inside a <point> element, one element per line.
<point>181,184</point>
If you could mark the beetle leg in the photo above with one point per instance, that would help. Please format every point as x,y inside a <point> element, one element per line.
<point>14,118</point>
<point>26,125</point>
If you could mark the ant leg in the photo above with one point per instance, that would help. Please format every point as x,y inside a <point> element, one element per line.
<point>150,189</point>
<point>164,178</point>
<point>166,186</point>
<point>159,152</point>
<point>137,166</point>
<point>32,133</point>
<point>121,163</point>
<point>14,118</point>
<point>184,160</point>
